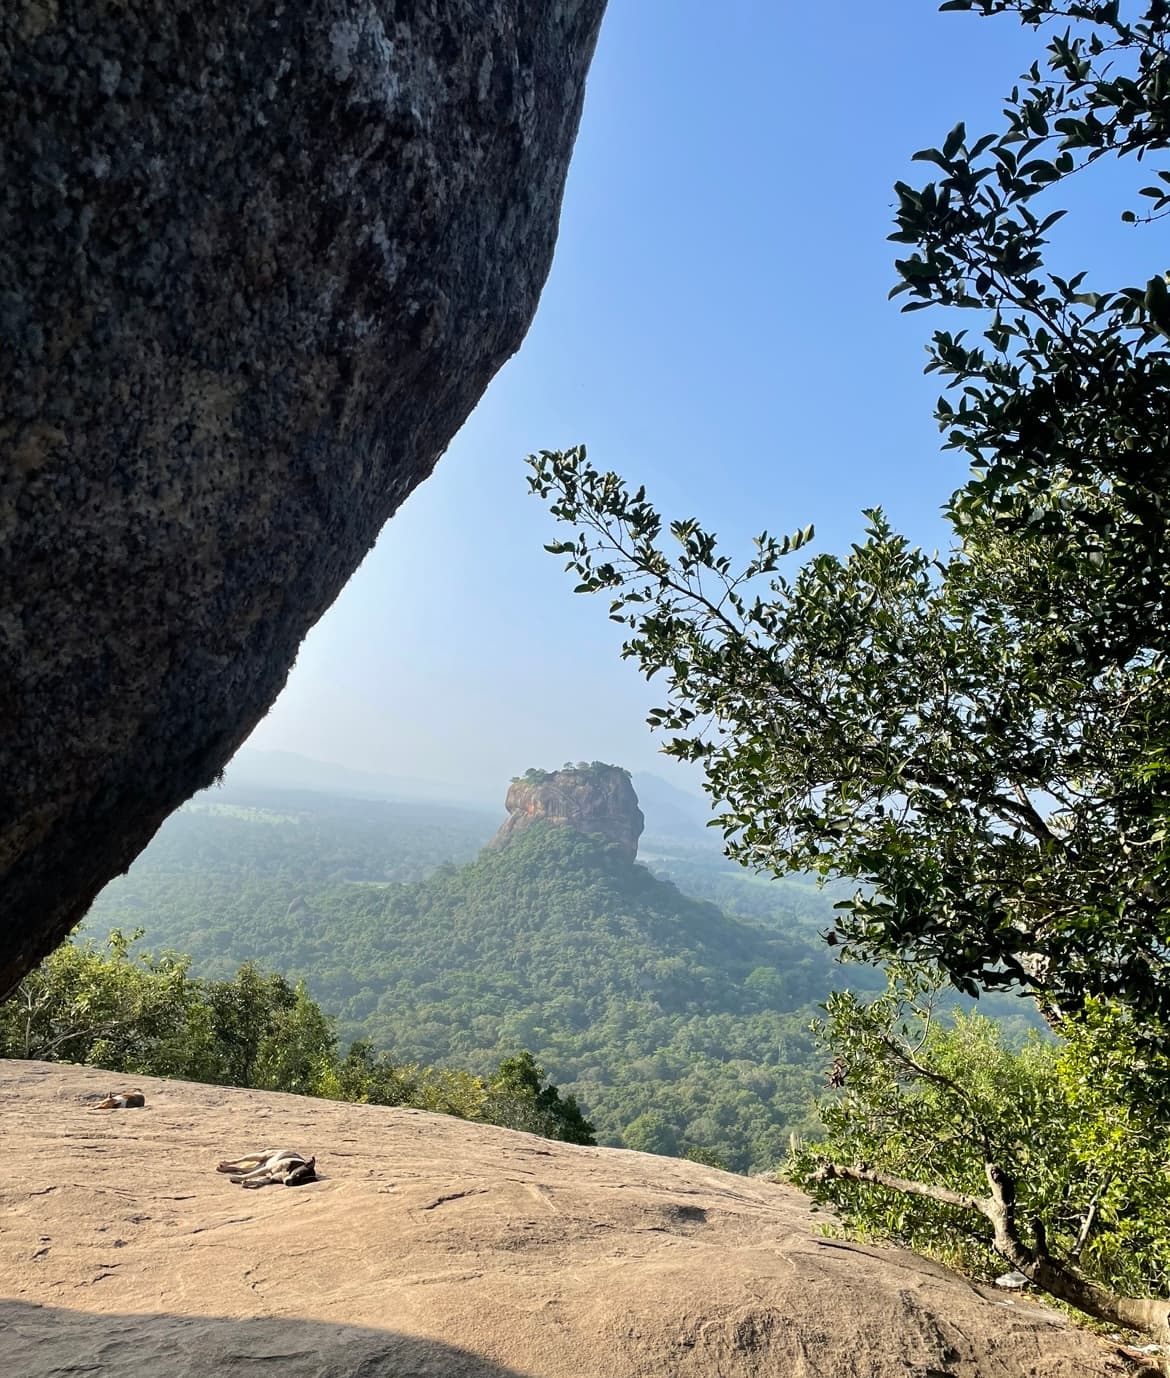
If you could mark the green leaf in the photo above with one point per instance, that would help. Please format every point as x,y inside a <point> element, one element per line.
<point>954,140</point>
<point>932,155</point>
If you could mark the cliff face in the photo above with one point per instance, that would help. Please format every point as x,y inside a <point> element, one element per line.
<point>257,264</point>
<point>430,1245</point>
<point>599,799</point>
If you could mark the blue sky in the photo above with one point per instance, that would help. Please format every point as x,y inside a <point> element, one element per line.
<point>716,326</point>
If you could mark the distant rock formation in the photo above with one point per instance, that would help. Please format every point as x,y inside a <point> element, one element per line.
<point>457,1250</point>
<point>593,799</point>
<point>257,264</point>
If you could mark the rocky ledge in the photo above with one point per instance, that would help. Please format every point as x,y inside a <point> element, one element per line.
<point>433,1246</point>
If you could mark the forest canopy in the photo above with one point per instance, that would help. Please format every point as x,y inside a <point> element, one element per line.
<point>141,1013</point>
<point>634,996</point>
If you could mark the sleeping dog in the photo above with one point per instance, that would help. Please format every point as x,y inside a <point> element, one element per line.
<point>270,1165</point>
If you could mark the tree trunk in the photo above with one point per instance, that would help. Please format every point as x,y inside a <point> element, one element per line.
<point>1149,1315</point>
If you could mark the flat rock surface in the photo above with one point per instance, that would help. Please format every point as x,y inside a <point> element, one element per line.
<point>436,1247</point>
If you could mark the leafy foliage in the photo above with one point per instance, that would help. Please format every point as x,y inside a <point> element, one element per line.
<point>981,741</point>
<point>1073,1126</point>
<point>1063,409</point>
<point>893,720</point>
<point>517,1097</point>
<point>111,1008</point>
<point>144,1014</point>
<point>598,770</point>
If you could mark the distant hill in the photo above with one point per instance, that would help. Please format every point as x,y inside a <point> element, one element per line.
<point>676,814</point>
<point>679,1028</point>
<point>678,845</point>
<point>639,1000</point>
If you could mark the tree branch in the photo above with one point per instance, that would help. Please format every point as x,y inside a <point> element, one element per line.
<point>1087,1222</point>
<point>1150,1315</point>
<point>99,1031</point>
<point>829,1172</point>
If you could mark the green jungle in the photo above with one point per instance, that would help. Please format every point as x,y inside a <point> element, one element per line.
<point>681,1027</point>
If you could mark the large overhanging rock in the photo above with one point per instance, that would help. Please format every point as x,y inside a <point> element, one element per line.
<point>258,261</point>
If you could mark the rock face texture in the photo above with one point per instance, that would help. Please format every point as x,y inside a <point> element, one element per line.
<point>437,1247</point>
<point>258,261</point>
<point>595,799</point>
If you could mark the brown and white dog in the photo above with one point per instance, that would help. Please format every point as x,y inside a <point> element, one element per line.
<point>120,1100</point>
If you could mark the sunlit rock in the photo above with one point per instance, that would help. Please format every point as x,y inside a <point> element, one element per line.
<point>592,799</point>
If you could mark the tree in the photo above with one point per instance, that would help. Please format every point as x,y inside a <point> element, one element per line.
<point>1063,409</point>
<point>139,1013</point>
<point>245,1011</point>
<point>370,1078</point>
<point>518,1099</point>
<point>651,1132</point>
<point>980,741</point>
<point>1050,1157</point>
<point>298,1048</point>
<point>891,720</point>
<point>101,1004</point>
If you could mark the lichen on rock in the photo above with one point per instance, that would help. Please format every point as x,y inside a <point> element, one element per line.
<point>257,264</point>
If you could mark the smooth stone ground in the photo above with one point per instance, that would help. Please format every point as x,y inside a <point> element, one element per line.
<point>440,1248</point>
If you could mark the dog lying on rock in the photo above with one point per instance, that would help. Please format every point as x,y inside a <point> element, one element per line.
<point>120,1100</point>
<point>270,1165</point>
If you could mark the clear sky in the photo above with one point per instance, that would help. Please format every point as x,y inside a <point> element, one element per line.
<point>716,326</point>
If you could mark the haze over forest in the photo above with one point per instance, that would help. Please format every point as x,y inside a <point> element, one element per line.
<point>671,996</point>
<point>716,326</point>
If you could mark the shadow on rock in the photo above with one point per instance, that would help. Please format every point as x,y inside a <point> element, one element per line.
<point>36,1341</point>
